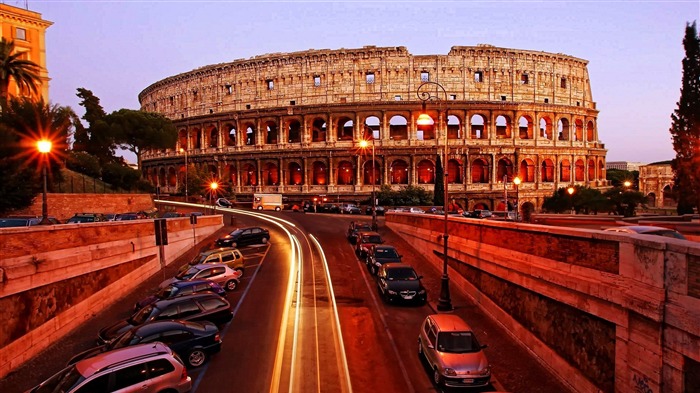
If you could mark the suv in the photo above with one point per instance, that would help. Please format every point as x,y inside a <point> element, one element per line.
<point>453,353</point>
<point>244,237</point>
<point>364,241</point>
<point>220,274</point>
<point>151,367</point>
<point>399,282</point>
<point>86,217</point>
<point>228,256</point>
<point>378,254</point>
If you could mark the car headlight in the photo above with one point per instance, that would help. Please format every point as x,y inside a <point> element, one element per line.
<point>391,292</point>
<point>450,371</point>
<point>485,371</point>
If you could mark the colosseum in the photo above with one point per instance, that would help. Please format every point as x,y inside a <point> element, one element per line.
<point>292,123</point>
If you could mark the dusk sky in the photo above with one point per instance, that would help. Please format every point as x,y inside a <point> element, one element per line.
<point>634,48</point>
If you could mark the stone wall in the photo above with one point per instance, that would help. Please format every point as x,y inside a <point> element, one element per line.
<point>52,278</point>
<point>605,311</point>
<point>64,206</point>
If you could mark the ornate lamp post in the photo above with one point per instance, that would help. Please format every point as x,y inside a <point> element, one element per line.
<point>425,94</point>
<point>363,145</point>
<point>44,147</point>
<point>213,186</point>
<point>571,191</point>
<point>186,193</point>
<point>517,181</point>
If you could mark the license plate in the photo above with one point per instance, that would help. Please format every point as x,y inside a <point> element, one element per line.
<point>468,380</point>
<point>407,297</point>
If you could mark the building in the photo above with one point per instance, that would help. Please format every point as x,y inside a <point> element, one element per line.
<point>27,30</point>
<point>291,123</point>
<point>656,183</point>
<point>623,165</point>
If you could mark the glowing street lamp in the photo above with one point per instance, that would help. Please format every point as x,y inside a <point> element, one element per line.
<point>516,181</point>
<point>571,191</point>
<point>364,144</point>
<point>213,186</point>
<point>627,183</point>
<point>44,147</point>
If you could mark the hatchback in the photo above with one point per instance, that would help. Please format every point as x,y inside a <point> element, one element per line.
<point>244,237</point>
<point>194,342</point>
<point>399,282</point>
<point>228,256</point>
<point>181,288</point>
<point>223,202</point>
<point>454,355</point>
<point>151,367</point>
<point>220,274</point>
<point>200,307</point>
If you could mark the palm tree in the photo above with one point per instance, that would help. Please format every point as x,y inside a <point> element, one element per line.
<point>24,72</point>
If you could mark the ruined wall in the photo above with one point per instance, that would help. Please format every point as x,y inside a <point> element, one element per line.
<point>54,277</point>
<point>607,312</point>
<point>64,206</point>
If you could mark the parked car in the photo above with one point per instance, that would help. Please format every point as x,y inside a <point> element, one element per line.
<point>399,282</point>
<point>379,254</point>
<point>223,202</point>
<point>416,210</point>
<point>127,217</point>
<point>216,272</point>
<point>194,342</point>
<point>364,241</point>
<point>380,210</point>
<point>86,217</point>
<point>350,208</point>
<point>648,230</point>
<point>453,352</point>
<point>153,365</point>
<point>173,215</point>
<point>199,307</point>
<point>18,222</point>
<point>244,237</point>
<point>478,213</point>
<point>228,256</point>
<point>181,288</point>
<point>354,228</point>
<point>329,208</point>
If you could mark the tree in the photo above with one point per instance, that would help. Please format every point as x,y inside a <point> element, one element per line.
<point>439,192</point>
<point>138,130</point>
<point>618,177</point>
<point>623,201</point>
<point>685,128</point>
<point>100,142</point>
<point>25,73</point>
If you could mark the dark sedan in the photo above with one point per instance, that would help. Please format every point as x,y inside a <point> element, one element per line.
<point>399,282</point>
<point>200,307</point>
<point>181,288</point>
<point>244,237</point>
<point>355,228</point>
<point>194,342</point>
<point>380,210</point>
<point>379,254</point>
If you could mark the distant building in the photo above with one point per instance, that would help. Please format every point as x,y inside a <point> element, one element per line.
<point>623,165</point>
<point>656,183</point>
<point>27,30</point>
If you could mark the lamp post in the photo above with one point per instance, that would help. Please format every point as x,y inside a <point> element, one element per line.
<point>44,147</point>
<point>363,145</point>
<point>627,183</point>
<point>425,94</point>
<point>517,181</point>
<point>186,193</point>
<point>213,186</point>
<point>571,190</point>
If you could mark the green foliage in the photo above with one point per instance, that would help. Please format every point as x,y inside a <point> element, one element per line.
<point>584,200</point>
<point>559,202</point>
<point>439,193</point>
<point>101,142</point>
<point>197,181</point>
<point>138,130</point>
<point>25,73</point>
<point>618,177</point>
<point>623,201</point>
<point>685,127</point>
<point>408,196</point>
<point>84,163</point>
<point>20,184</point>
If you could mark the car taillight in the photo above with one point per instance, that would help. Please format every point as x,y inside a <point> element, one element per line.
<point>183,376</point>
<point>217,337</point>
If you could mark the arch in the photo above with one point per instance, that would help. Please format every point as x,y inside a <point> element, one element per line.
<point>295,176</point>
<point>319,173</point>
<point>294,132</point>
<point>212,171</point>
<point>479,171</point>
<point>454,171</point>
<point>425,171</point>
<point>214,137</point>
<point>565,171</point>
<point>481,206</point>
<point>426,131</point>
<point>527,209</point>
<point>525,127</point>
<point>161,177</point>
<point>651,199</point>
<point>478,127</point>
<point>249,134</point>
<point>547,174</point>
<point>591,170</point>
<point>454,128</point>
<point>563,129</point>
<point>601,170</point>
<point>270,174</point>
<point>667,194</point>
<point>578,130</point>
<point>590,132</point>
<point>504,169</point>
<point>197,138</point>
<point>546,127</point>
<point>346,174</point>
<point>249,175</point>
<point>398,172</point>
<point>318,130</point>
<point>345,128</point>
<point>172,177</point>
<point>503,127</point>
<point>372,128</point>
<point>153,176</point>
<point>230,134</point>
<point>182,139</point>
<point>398,128</point>
<point>271,134</point>
<point>370,176</point>
<point>230,175</point>
<point>579,167</point>
<point>527,170</point>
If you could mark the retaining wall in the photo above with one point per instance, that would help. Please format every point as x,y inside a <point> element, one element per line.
<point>64,206</point>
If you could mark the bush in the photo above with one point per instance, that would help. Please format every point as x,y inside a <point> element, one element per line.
<point>84,163</point>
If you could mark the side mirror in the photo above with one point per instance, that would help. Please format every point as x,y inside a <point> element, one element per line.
<point>420,277</point>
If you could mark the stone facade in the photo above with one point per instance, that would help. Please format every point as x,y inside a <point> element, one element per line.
<point>656,183</point>
<point>291,123</point>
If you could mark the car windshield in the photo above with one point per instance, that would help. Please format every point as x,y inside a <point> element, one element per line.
<point>187,274</point>
<point>401,273</point>
<point>457,342</point>
<point>386,253</point>
<point>141,316</point>
<point>124,340</point>
<point>61,382</point>
<point>665,233</point>
<point>13,222</point>
<point>167,292</point>
<point>236,232</point>
<point>363,227</point>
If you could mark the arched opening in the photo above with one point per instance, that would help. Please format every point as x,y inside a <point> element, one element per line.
<point>372,129</point>
<point>590,132</point>
<point>547,171</point>
<point>527,170</point>
<point>579,167</point>
<point>504,169</point>
<point>426,172</point>
<point>345,174</point>
<point>320,173</point>
<point>481,206</point>
<point>249,176</point>
<point>478,127</point>
<point>563,129</point>
<point>525,127</point>
<point>578,133</point>
<point>528,209</point>
<point>399,172</point>
<point>172,177</point>
<point>546,128</point>
<point>271,174</point>
<point>230,175</point>
<point>214,137</point>
<point>230,135</point>
<point>454,129</point>
<point>651,199</point>
<point>479,171</point>
<point>591,170</point>
<point>294,132</point>
<point>213,172</point>
<point>345,127</point>
<point>182,139</point>
<point>454,172</point>
<point>196,133</point>
<point>250,135</point>
<point>601,170</point>
<point>565,171</point>
<point>371,175</point>
<point>271,133</point>
<point>161,177</point>
<point>426,132</point>
<point>668,200</point>
<point>318,130</point>
<point>398,128</point>
<point>503,127</point>
<point>295,176</point>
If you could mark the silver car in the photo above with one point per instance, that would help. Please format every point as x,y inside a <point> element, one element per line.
<point>453,353</point>
<point>219,273</point>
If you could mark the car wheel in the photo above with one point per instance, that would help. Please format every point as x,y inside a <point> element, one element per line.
<point>196,358</point>
<point>264,240</point>
<point>437,377</point>
<point>233,244</point>
<point>240,270</point>
<point>259,207</point>
<point>277,209</point>
<point>231,285</point>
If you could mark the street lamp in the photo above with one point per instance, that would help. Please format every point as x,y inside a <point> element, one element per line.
<point>213,186</point>
<point>517,181</point>
<point>185,151</point>
<point>425,94</point>
<point>44,147</point>
<point>363,145</point>
<point>627,183</point>
<point>571,190</point>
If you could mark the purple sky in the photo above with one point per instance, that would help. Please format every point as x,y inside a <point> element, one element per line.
<point>634,48</point>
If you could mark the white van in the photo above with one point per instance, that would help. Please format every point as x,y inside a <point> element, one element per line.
<point>267,202</point>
